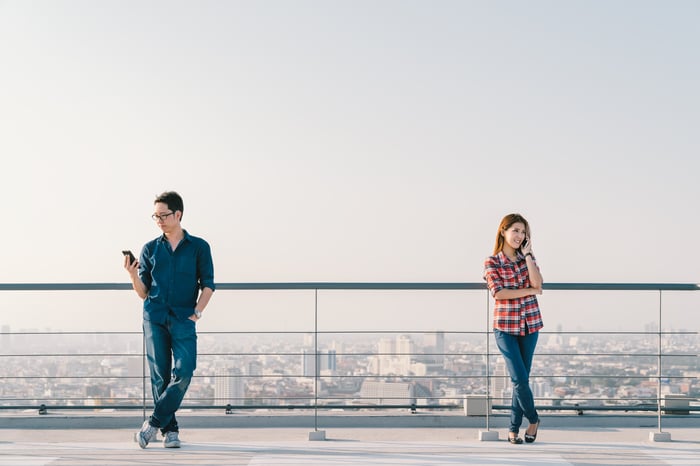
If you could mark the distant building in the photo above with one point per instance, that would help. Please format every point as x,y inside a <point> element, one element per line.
<point>405,353</point>
<point>308,363</point>
<point>98,391</point>
<point>309,340</point>
<point>501,380</point>
<point>434,348</point>
<point>325,361</point>
<point>394,357</point>
<point>385,352</point>
<point>331,362</point>
<point>255,369</point>
<point>338,347</point>
<point>381,392</point>
<point>228,386</point>
<point>541,389</point>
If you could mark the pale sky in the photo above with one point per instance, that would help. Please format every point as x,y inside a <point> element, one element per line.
<point>355,141</point>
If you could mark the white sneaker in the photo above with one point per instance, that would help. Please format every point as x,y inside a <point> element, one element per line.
<point>146,434</point>
<point>171,440</point>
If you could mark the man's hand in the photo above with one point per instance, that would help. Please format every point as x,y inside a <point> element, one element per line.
<point>131,266</point>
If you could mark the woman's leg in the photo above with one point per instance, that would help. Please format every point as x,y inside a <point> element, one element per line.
<point>527,402</point>
<point>518,352</point>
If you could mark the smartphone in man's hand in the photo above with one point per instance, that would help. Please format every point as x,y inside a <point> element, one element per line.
<point>132,259</point>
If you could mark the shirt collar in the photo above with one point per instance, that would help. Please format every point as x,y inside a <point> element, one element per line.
<point>185,237</point>
<point>504,259</point>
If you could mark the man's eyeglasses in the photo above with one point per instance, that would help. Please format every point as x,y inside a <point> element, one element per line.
<point>161,218</point>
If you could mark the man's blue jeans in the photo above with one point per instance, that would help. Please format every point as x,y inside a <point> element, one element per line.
<point>171,349</point>
<point>517,352</point>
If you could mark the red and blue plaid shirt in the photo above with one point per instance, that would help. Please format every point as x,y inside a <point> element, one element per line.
<point>517,316</point>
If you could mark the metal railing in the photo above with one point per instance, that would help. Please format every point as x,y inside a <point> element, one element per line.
<point>381,368</point>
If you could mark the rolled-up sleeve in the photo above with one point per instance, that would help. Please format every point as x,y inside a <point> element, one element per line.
<point>494,282</point>
<point>145,267</point>
<point>205,267</point>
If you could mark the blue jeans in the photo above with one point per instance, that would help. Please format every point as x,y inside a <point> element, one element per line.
<point>171,349</point>
<point>517,352</point>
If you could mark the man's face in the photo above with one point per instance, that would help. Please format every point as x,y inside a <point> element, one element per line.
<point>165,218</point>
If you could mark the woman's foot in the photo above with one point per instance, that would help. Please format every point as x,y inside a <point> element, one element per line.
<point>530,434</point>
<point>514,439</point>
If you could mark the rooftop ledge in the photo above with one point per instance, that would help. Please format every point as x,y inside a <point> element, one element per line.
<point>104,419</point>
<point>367,439</point>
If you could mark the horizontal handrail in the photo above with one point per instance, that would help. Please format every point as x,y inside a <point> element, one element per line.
<point>360,286</point>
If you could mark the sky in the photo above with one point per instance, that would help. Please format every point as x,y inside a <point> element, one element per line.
<point>348,141</point>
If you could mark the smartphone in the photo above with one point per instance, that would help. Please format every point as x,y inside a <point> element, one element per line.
<point>524,243</point>
<point>131,256</point>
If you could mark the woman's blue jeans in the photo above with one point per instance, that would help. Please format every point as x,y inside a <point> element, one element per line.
<point>517,352</point>
<point>171,349</point>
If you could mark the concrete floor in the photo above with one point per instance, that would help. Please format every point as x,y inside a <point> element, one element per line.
<point>350,446</point>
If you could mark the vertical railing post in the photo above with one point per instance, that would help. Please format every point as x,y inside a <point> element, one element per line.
<point>488,434</point>
<point>488,364</point>
<point>316,434</point>
<point>316,355</point>
<point>659,435</point>
<point>143,373</point>
<point>658,381</point>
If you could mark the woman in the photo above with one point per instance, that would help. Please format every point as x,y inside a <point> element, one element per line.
<point>514,280</point>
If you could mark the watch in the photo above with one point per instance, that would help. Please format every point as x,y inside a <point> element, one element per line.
<point>198,313</point>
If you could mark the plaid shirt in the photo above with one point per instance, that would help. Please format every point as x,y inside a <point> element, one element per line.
<point>514,316</point>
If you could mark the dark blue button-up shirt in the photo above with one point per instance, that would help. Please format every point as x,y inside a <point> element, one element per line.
<point>174,278</point>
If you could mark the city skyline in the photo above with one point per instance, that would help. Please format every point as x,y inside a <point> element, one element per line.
<point>597,370</point>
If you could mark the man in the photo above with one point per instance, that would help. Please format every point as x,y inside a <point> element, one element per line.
<point>174,276</point>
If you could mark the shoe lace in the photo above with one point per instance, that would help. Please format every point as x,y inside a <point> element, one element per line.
<point>150,431</point>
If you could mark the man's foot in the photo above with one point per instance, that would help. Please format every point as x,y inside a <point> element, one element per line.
<point>171,440</point>
<point>146,434</point>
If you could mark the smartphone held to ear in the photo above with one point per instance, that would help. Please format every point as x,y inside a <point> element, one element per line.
<point>132,259</point>
<point>524,243</point>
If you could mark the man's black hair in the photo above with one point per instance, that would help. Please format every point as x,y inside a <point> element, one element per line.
<point>173,200</point>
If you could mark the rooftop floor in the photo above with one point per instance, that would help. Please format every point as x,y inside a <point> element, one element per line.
<point>560,442</point>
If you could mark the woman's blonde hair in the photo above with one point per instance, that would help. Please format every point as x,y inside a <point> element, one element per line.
<point>506,223</point>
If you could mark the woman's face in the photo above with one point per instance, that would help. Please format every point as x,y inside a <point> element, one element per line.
<point>515,235</point>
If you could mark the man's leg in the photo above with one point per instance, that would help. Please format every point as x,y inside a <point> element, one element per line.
<point>183,337</point>
<point>159,356</point>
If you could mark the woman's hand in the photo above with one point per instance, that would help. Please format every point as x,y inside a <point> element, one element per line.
<point>532,269</point>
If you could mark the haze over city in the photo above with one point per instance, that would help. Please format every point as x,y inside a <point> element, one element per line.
<point>353,141</point>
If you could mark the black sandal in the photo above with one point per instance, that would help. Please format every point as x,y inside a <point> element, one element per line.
<point>531,438</point>
<point>515,440</point>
